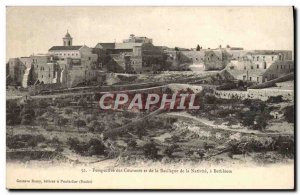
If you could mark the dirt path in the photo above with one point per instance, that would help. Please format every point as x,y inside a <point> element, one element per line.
<point>219,127</point>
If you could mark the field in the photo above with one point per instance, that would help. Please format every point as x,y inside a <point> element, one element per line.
<point>221,132</point>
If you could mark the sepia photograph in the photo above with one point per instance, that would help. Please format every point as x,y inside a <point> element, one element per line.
<point>150,97</point>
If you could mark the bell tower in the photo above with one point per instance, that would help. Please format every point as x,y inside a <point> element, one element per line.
<point>67,40</point>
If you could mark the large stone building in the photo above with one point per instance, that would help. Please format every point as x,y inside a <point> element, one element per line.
<point>18,71</point>
<point>76,63</point>
<point>204,59</point>
<point>67,65</point>
<point>261,65</point>
<point>133,55</point>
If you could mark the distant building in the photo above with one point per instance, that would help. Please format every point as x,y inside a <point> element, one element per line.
<point>68,65</point>
<point>133,55</point>
<point>67,39</point>
<point>16,70</point>
<point>134,39</point>
<point>205,59</point>
<point>261,65</point>
<point>216,59</point>
<point>77,63</point>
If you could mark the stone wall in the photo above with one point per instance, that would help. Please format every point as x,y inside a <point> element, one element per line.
<point>36,89</point>
<point>262,94</point>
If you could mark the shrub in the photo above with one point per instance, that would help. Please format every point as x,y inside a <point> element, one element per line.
<point>260,122</point>
<point>248,118</point>
<point>210,99</point>
<point>175,138</point>
<point>43,103</point>
<point>79,123</point>
<point>285,146</point>
<point>132,144</point>
<point>275,99</point>
<point>170,150</point>
<point>95,126</point>
<point>27,115</point>
<point>73,142</point>
<point>289,114</point>
<point>24,140</point>
<point>96,147</point>
<point>93,147</point>
<point>150,150</point>
<point>68,111</point>
<point>61,122</point>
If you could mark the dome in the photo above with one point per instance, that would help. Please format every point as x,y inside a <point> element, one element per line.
<point>67,35</point>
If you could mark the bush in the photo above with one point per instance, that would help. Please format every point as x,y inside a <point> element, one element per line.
<point>260,122</point>
<point>79,123</point>
<point>132,144</point>
<point>73,143</point>
<point>224,113</point>
<point>62,103</point>
<point>289,114</point>
<point>150,150</point>
<point>24,141</point>
<point>210,99</point>
<point>61,122</point>
<point>68,111</point>
<point>93,147</point>
<point>170,150</point>
<point>27,115</point>
<point>42,104</point>
<point>285,146</point>
<point>275,99</point>
<point>96,147</point>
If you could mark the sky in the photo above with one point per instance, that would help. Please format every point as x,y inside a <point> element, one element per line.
<point>35,29</point>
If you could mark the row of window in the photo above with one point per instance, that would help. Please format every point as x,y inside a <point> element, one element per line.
<point>257,66</point>
<point>257,58</point>
<point>64,54</point>
<point>197,59</point>
<point>250,78</point>
<point>283,67</point>
<point>43,76</point>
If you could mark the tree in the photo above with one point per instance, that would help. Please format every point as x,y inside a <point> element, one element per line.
<point>198,48</point>
<point>176,49</point>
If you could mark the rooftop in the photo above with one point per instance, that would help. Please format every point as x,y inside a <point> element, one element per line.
<point>118,45</point>
<point>127,45</point>
<point>65,48</point>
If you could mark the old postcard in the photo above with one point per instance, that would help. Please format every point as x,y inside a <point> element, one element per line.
<point>150,98</point>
